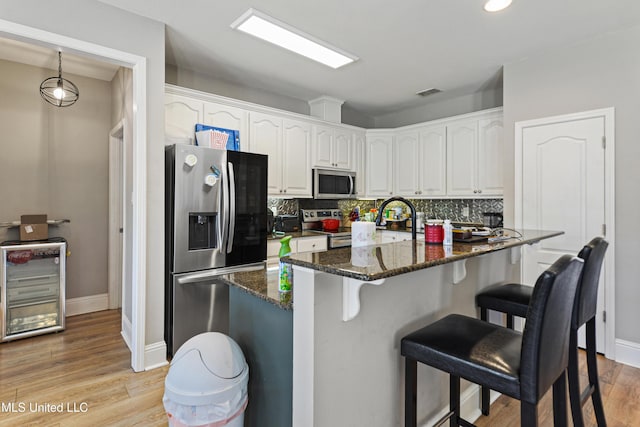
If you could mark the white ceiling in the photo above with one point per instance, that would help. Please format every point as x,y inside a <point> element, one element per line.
<point>47,57</point>
<point>404,46</point>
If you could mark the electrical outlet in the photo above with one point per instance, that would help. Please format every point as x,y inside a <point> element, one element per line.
<point>465,212</point>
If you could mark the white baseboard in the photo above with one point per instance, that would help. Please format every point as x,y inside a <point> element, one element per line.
<point>469,406</point>
<point>628,352</point>
<point>88,304</point>
<point>155,355</point>
<point>126,331</point>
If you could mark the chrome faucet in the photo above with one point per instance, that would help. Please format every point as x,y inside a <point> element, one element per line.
<point>406,202</point>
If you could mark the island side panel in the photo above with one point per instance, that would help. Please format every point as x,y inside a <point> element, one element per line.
<point>358,369</point>
<point>264,332</point>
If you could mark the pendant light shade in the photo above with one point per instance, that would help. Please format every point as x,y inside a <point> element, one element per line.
<point>59,91</point>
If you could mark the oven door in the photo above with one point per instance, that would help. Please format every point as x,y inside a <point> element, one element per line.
<point>331,184</point>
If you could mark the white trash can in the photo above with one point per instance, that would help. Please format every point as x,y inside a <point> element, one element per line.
<point>206,385</point>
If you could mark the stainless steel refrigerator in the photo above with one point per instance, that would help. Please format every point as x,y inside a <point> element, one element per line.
<point>215,224</point>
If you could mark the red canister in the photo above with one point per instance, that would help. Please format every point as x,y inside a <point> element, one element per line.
<point>433,231</point>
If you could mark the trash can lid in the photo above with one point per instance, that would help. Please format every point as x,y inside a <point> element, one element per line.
<point>209,367</point>
<point>220,354</point>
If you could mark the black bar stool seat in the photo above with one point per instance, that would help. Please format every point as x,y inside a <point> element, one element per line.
<point>457,344</point>
<point>513,299</point>
<point>523,366</point>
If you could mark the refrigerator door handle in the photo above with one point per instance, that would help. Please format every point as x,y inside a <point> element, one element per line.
<point>203,276</point>
<point>232,206</point>
<point>224,221</point>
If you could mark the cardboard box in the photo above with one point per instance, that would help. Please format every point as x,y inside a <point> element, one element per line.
<point>219,138</point>
<point>34,227</point>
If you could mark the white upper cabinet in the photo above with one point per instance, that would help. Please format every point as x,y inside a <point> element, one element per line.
<point>296,148</point>
<point>183,113</point>
<point>332,147</point>
<point>406,164</point>
<point>452,157</point>
<point>224,116</point>
<point>420,162</point>
<point>288,145</point>
<point>433,161</point>
<point>379,164</point>
<point>490,156</point>
<point>474,157</point>
<point>180,117</point>
<point>266,138</point>
<point>359,141</point>
<point>462,145</point>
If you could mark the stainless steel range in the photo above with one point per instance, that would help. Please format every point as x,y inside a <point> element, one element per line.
<point>312,221</point>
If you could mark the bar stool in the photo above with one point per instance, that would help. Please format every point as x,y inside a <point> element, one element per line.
<point>523,366</point>
<point>513,299</point>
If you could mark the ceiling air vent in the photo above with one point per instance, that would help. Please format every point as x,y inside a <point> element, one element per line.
<point>428,92</point>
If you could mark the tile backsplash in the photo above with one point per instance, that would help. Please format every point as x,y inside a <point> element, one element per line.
<point>453,209</point>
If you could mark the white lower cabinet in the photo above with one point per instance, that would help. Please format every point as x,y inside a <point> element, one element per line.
<point>312,244</point>
<point>297,245</point>
<point>388,236</point>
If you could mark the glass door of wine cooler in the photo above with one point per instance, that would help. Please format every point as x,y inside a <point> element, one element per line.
<point>33,289</point>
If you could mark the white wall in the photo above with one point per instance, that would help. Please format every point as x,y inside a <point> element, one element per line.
<point>97,23</point>
<point>209,84</point>
<point>603,72</point>
<point>485,99</point>
<point>55,161</point>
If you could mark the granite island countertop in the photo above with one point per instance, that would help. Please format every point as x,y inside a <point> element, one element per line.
<point>372,262</point>
<point>381,261</point>
<point>262,284</point>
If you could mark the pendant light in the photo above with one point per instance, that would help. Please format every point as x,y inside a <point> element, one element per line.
<point>59,91</point>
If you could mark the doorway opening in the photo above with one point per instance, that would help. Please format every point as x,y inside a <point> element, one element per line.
<point>137,228</point>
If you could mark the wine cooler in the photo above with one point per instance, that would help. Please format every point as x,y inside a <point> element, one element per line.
<point>32,297</point>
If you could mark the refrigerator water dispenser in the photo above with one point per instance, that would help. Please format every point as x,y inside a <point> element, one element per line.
<point>202,230</point>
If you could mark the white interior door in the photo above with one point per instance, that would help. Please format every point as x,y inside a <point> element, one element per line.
<point>562,179</point>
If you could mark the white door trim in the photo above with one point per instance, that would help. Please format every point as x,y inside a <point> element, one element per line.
<point>115,263</point>
<point>609,176</point>
<point>139,66</point>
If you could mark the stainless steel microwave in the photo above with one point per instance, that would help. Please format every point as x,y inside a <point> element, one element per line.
<point>334,184</point>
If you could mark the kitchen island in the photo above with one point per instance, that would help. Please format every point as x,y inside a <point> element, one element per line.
<point>353,305</point>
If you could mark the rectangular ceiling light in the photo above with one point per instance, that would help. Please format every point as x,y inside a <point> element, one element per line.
<point>270,29</point>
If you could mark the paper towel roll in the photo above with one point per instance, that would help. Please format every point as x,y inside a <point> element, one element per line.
<point>363,233</point>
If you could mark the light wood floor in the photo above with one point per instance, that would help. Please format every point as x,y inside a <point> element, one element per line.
<point>620,388</point>
<point>87,369</point>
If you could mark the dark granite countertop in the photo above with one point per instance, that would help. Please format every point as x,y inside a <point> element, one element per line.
<point>295,234</point>
<point>391,259</point>
<point>262,284</point>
